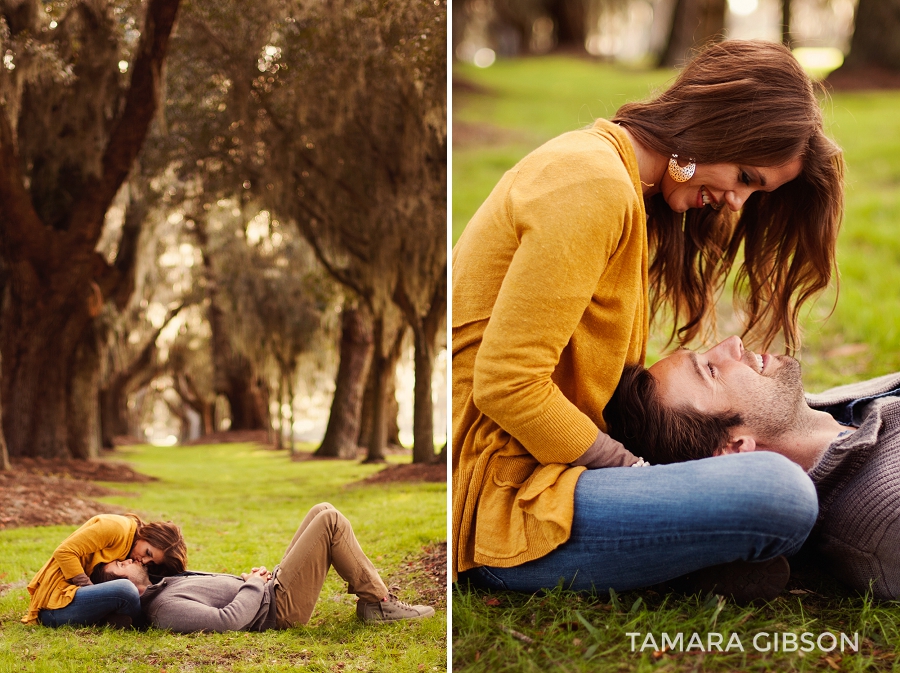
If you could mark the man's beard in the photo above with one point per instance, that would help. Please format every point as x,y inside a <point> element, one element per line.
<point>778,408</point>
<point>142,575</point>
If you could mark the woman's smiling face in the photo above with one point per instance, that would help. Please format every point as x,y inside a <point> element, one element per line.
<point>728,185</point>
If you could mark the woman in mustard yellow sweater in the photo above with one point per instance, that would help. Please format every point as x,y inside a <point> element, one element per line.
<point>62,591</point>
<point>555,281</point>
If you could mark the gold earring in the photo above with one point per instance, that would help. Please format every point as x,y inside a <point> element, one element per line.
<point>681,173</point>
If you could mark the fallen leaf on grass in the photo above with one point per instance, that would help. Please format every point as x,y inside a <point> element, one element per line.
<point>798,591</point>
<point>833,662</point>
<point>576,641</point>
<point>491,601</point>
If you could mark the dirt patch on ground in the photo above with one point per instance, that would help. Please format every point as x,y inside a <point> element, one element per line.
<point>427,574</point>
<point>41,492</point>
<point>33,500</point>
<point>92,470</point>
<point>434,472</point>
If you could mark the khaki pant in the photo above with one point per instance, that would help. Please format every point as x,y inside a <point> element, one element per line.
<point>324,539</point>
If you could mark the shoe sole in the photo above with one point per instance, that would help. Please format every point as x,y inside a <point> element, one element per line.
<point>398,619</point>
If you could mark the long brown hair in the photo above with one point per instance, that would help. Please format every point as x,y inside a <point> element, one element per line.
<point>165,536</point>
<point>743,102</point>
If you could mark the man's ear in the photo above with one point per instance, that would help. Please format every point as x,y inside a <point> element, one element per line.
<point>738,444</point>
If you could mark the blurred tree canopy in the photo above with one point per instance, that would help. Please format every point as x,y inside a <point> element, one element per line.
<point>669,32</point>
<point>176,212</point>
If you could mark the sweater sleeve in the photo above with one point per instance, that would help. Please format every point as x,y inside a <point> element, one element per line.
<point>568,217</point>
<point>184,613</point>
<point>101,532</point>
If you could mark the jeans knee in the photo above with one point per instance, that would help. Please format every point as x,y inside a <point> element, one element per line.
<point>125,591</point>
<point>779,494</point>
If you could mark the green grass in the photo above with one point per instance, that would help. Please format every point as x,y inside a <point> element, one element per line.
<point>565,631</point>
<point>501,114</point>
<point>239,506</point>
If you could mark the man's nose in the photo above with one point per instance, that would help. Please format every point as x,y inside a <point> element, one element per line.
<point>731,348</point>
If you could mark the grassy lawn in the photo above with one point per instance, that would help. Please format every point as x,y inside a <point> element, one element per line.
<point>239,506</point>
<point>502,113</point>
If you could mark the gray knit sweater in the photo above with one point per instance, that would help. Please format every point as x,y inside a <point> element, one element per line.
<point>858,483</point>
<point>210,602</point>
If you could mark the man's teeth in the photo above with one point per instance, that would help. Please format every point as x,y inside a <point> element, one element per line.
<point>759,361</point>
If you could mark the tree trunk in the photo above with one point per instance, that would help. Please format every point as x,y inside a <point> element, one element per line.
<point>180,411</point>
<point>786,23</point>
<point>425,329</point>
<point>423,405</point>
<point>83,414</point>
<point>235,378</point>
<point>569,19</point>
<point>694,23</point>
<point>114,416</point>
<point>384,365</point>
<point>875,41</point>
<point>4,453</point>
<point>392,411</point>
<point>113,413</point>
<point>40,330</point>
<point>246,395</point>
<point>290,401</point>
<point>381,371</point>
<point>136,413</point>
<point>279,419</point>
<point>341,438</point>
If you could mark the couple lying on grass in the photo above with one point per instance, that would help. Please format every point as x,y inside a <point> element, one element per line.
<point>101,574</point>
<point>729,403</point>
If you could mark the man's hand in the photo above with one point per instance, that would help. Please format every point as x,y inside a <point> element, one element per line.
<point>260,572</point>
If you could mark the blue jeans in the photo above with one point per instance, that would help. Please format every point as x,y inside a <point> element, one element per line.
<point>637,526</point>
<point>92,603</point>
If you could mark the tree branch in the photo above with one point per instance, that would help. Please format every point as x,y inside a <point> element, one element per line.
<point>23,233</point>
<point>131,127</point>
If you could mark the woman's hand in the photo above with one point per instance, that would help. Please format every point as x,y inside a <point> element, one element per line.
<point>606,452</point>
<point>81,580</point>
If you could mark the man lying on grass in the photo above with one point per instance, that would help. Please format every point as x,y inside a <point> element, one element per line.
<point>260,600</point>
<point>730,400</point>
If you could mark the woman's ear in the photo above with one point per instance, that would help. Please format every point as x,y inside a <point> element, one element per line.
<point>738,444</point>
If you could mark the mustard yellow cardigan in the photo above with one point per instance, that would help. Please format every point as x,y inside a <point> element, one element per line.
<point>103,538</point>
<point>549,305</point>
